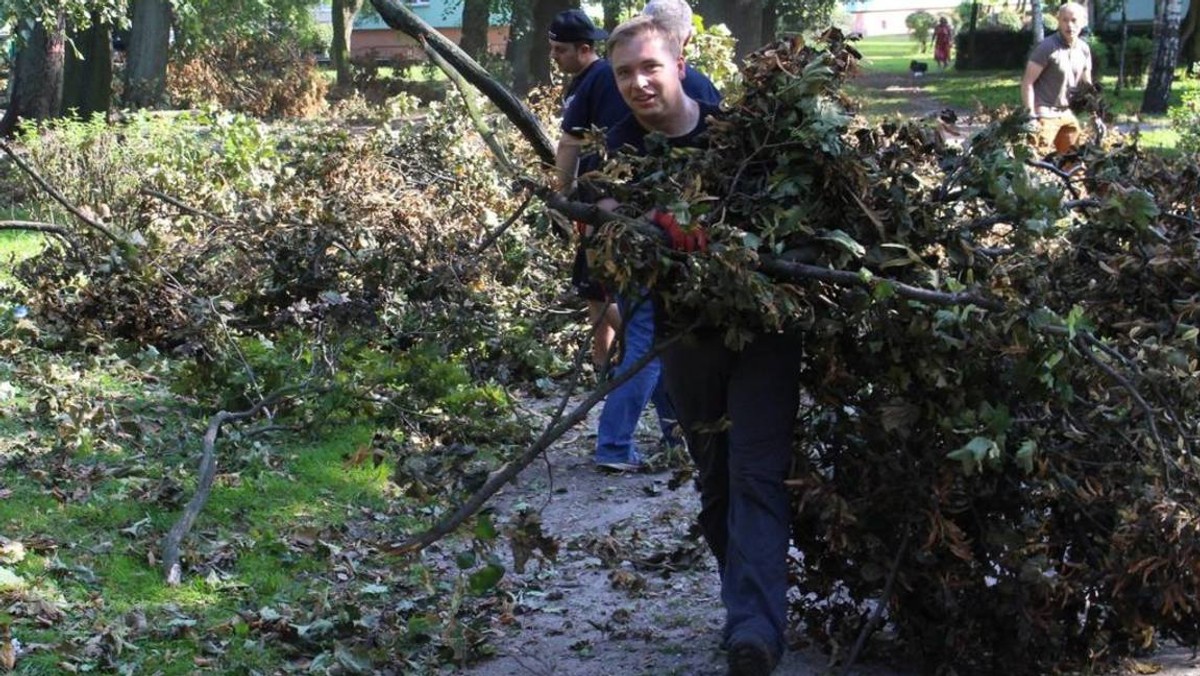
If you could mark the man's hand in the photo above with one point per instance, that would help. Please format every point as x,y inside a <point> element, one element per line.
<point>688,240</point>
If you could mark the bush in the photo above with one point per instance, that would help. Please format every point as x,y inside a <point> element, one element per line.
<point>920,24</point>
<point>1099,56</point>
<point>1004,20</point>
<point>260,77</point>
<point>997,50</point>
<point>1185,119</point>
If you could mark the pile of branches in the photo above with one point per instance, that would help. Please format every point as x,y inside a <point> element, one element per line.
<point>1001,358</point>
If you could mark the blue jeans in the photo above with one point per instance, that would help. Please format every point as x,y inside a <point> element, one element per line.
<point>623,406</point>
<point>745,509</point>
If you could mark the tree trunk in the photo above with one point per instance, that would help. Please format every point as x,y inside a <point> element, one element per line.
<point>612,13</point>
<point>87,79</point>
<point>476,17</point>
<point>1189,36</point>
<point>713,11</point>
<point>339,51</point>
<point>1166,55</point>
<point>1038,23</point>
<point>146,60</point>
<point>770,21</point>
<point>37,77</point>
<point>520,42</point>
<point>544,12</point>
<point>745,21</point>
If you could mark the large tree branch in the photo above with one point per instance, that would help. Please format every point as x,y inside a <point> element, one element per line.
<point>399,17</point>
<point>35,226</point>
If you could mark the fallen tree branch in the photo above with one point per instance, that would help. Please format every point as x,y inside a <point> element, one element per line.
<point>399,17</point>
<point>36,226</point>
<point>557,427</point>
<point>208,471</point>
<point>59,197</point>
<point>877,614</point>
<point>503,227</point>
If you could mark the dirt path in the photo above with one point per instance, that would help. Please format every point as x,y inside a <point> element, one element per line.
<point>632,592</point>
<point>897,94</point>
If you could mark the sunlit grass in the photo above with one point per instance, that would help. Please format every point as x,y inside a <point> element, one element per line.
<point>16,245</point>
<point>889,53</point>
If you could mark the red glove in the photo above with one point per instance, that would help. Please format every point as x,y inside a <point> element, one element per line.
<point>682,239</point>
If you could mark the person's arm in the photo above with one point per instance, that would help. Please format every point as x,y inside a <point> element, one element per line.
<point>1032,72</point>
<point>566,162</point>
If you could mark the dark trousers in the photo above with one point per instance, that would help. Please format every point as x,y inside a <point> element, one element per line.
<point>738,411</point>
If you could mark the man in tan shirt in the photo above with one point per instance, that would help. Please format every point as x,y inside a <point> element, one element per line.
<point>1057,66</point>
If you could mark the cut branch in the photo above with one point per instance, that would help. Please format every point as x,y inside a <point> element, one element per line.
<point>182,206</point>
<point>399,17</point>
<point>35,226</point>
<point>500,230</point>
<point>59,197</point>
<point>557,427</point>
<point>208,471</point>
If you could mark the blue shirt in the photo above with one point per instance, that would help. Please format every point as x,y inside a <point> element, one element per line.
<point>630,135</point>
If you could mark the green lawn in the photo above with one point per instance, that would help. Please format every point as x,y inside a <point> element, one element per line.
<point>15,245</point>
<point>967,91</point>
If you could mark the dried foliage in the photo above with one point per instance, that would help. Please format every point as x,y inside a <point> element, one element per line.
<point>261,77</point>
<point>1001,362</point>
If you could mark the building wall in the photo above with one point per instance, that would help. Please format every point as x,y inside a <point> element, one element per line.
<point>390,44</point>
<point>886,17</point>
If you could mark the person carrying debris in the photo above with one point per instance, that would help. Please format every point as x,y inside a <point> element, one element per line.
<point>1058,65</point>
<point>737,407</point>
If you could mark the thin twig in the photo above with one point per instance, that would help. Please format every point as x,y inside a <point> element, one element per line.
<point>877,614</point>
<point>496,233</point>
<point>175,202</point>
<point>498,479</point>
<point>208,470</point>
<point>1083,346</point>
<point>59,197</point>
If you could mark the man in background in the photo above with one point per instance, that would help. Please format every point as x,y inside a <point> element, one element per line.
<point>1058,65</point>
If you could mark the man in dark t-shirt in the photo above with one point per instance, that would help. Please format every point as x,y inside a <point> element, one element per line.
<point>737,407</point>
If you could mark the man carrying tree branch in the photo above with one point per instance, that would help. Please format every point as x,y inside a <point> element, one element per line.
<point>1058,65</point>
<point>737,407</point>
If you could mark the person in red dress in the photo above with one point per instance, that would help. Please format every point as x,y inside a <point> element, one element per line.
<point>943,35</point>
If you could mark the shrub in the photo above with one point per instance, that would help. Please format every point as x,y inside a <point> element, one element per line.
<point>1185,119</point>
<point>255,76</point>
<point>920,24</point>
<point>711,51</point>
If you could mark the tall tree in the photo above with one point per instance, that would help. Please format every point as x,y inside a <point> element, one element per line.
<point>476,15</point>
<point>146,58</point>
<point>1189,36</point>
<point>612,13</point>
<point>745,20</point>
<point>544,12</point>
<point>88,71</point>
<point>1167,18</point>
<point>520,43</point>
<point>339,51</point>
<point>37,75</point>
<point>1037,22</point>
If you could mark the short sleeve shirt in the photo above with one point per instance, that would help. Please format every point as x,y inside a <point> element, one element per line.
<point>1063,68</point>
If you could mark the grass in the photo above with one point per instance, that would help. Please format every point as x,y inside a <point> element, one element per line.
<point>967,91</point>
<point>15,245</point>
<point>273,534</point>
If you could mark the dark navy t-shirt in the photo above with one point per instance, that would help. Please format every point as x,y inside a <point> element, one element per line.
<point>630,135</point>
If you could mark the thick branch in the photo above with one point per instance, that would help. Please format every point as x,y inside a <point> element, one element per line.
<point>558,426</point>
<point>399,17</point>
<point>182,206</point>
<point>208,471</point>
<point>59,197</point>
<point>35,226</point>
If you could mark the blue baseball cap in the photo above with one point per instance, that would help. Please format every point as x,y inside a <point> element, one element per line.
<point>574,25</point>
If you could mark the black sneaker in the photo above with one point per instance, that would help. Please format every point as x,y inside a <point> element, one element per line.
<point>750,657</point>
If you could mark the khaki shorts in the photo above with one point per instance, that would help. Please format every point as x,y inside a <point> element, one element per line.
<point>1058,133</point>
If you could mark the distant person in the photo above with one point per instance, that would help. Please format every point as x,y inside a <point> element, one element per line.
<point>943,36</point>
<point>1057,66</point>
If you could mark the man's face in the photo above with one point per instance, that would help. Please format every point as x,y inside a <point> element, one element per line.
<point>1069,24</point>
<point>570,57</point>
<point>649,78</point>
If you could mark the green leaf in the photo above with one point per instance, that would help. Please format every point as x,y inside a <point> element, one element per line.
<point>846,242</point>
<point>484,528</point>
<point>485,579</point>
<point>1026,454</point>
<point>465,559</point>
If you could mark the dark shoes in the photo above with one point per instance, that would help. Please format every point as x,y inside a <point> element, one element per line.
<point>750,656</point>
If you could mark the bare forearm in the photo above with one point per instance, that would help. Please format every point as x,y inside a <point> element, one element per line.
<point>566,161</point>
